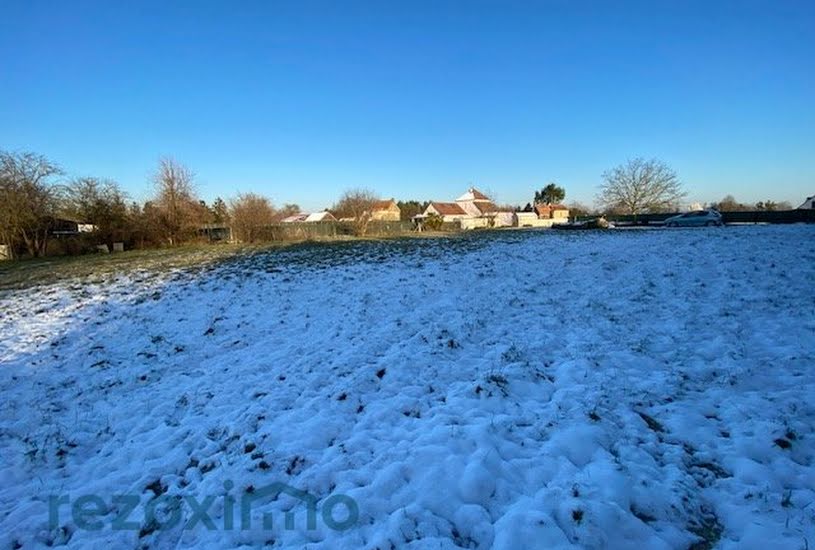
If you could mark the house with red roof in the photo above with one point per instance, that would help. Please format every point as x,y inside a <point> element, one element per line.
<point>448,211</point>
<point>471,210</point>
<point>474,209</point>
<point>551,211</point>
<point>470,205</point>
<point>386,211</point>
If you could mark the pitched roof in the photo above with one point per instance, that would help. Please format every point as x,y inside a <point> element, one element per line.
<point>384,205</point>
<point>485,207</point>
<point>473,194</point>
<point>448,209</point>
<point>547,208</point>
<point>324,216</point>
<point>295,218</point>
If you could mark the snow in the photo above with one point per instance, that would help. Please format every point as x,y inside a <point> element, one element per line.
<point>625,389</point>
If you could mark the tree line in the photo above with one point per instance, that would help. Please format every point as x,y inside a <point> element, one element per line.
<point>35,197</point>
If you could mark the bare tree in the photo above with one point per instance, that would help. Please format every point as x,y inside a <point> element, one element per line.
<point>288,209</point>
<point>771,206</point>
<point>356,205</point>
<point>28,200</point>
<point>147,221</point>
<point>730,204</point>
<point>577,209</point>
<point>100,202</point>
<point>250,213</point>
<point>640,186</point>
<point>175,200</point>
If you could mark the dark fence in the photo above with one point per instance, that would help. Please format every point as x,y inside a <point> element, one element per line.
<point>756,216</point>
<point>328,230</point>
<point>779,216</point>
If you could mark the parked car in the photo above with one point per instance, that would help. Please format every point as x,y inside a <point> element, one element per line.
<point>695,219</point>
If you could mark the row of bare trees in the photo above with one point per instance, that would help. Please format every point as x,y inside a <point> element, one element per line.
<point>35,198</point>
<point>730,204</point>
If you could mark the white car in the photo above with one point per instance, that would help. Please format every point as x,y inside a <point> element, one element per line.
<point>695,219</point>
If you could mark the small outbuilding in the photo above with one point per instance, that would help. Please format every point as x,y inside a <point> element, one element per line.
<point>808,204</point>
<point>551,211</point>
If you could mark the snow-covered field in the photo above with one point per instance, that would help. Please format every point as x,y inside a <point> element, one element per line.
<point>630,389</point>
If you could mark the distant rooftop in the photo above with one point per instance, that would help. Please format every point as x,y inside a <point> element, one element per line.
<point>473,194</point>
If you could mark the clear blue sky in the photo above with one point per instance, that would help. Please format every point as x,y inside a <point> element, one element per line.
<point>299,100</point>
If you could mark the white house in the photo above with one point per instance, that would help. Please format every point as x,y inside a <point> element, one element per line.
<point>449,211</point>
<point>386,211</point>
<point>808,204</point>
<point>472,209</point>
<point>476,203</point>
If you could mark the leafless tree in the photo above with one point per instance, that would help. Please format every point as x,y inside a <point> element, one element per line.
<point>356,205</point>
<point>175,201</point>
<point>250,213</point>
<point>730,204</point>
<point>577,209</point>
<point>640,186</point>
<point>771,206</point>
<point>148,225</point>
<point>100,202</point>
<point>28,200</point>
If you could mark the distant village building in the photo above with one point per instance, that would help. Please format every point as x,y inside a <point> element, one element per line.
<point>295,218</point>
<point>324,216</point>
<point>808,204</point>
<point>314,217</point>
<point>526,219</point>
<point>474,210</point>
<point>470,206</point>
<point>386,211</point>
<point>551,211</point>
<point>476,203</point>
<point>503,219</point>
<point>448,211</point>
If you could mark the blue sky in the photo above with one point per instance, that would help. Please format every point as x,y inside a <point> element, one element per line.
<point>300,100</point>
